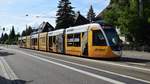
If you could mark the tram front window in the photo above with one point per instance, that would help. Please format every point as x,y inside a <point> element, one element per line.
<point>113,39</point>
<point>112,36</point>
<point>98,38</point>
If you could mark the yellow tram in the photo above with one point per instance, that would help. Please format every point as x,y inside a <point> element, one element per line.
<point>22,42</point>
<point>35,41</point>
<point>28,42</point>
<point>90,40</point>
<point>43,41</point>
<point>56,41</point>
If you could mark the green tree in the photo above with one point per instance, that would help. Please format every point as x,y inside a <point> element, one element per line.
<point>65,15</point>
<point>17,36</point>
<point>131,16</point>
<point>5,37</point>
<point>146,20</point>
<point>1,39</point>
<point>91,14</point>
<point>29,30</point>
<point>12,36</point>
<point>12,33</point>
<point>23,33</point>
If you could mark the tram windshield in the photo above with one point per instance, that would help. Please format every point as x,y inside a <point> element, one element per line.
<point>112,36</point>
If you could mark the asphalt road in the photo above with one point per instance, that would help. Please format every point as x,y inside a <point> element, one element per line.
<point>36,67</point>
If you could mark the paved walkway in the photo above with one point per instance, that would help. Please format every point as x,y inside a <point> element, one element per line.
<point>137,54</point>
<point>7,76</point>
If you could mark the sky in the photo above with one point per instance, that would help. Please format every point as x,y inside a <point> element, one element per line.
<point>13,12</point>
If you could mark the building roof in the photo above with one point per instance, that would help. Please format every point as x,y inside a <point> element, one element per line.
<point>44,27</point>
<point>80,19</point>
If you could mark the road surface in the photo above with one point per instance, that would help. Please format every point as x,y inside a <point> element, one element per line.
<point>25,66</point>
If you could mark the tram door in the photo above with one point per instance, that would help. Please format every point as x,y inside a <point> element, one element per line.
<point>59,44</point>
<point>84,44</point>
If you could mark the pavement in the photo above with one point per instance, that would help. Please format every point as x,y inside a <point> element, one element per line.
<point>7,76</point>
<point>25,66</point>
<point>137,54</point>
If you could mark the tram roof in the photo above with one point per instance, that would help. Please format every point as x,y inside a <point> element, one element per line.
<point>56,32</point>
<point>19,38</point>
<point>82,28</point>
<point>34,36</point>
<point>24,37</point>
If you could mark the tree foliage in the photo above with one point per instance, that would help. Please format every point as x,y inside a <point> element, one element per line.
<point>27,32</point>
<point>12,38</point>
<point>91,14</point>
<point>12,33</point>
<point>132,17</point>
<point>65,15</point>
<point>4,37</point>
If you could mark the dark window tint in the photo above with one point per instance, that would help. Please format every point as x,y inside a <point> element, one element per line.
<point>50,41</point>
<point>98,38</point>
<point>34,41</point>
<point>54,39</point>
<point>112,36</point>
<point>70,40</point>
<point>77,39</point>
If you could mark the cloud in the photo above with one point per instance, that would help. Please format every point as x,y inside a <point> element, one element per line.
<point>8,2</point>
<point>12,12</point>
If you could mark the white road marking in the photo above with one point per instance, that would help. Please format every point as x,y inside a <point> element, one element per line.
<point>8,72</point>
<point>11,72</point>
<point>75,69</point>
<point>101,70</point>
<point>110,63</point>
<point>142,64</point>
<point>114,64</point>
<point>4,72</point>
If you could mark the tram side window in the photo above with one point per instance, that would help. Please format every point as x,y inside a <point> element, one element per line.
<point>35,41</point>
<point>98,38</point>
<point>70,40</point>
<point>24,42</point>
<point>54,39</point>
<point>50,41</point>
<point>77,40</point>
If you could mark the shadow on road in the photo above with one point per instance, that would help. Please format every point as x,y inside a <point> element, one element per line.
<point>7,81</point>
<point>136,60</point>
<point>3,54</point>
